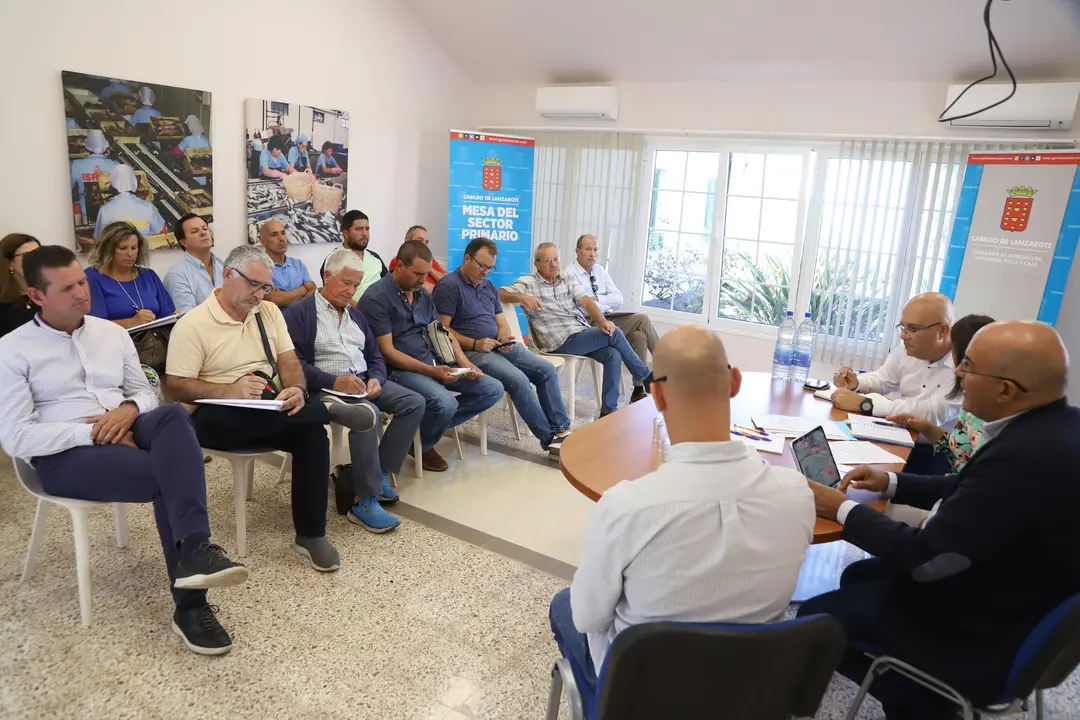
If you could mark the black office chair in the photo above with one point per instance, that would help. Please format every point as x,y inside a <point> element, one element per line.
<point>1049,655</point>
<point>688,671</point>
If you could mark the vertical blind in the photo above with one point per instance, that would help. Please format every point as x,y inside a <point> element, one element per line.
<point>886,218</point>
<point>588,183</point>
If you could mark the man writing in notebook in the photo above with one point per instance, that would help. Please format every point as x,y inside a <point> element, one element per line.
<point>917,377</point>
<point>236,346</point>
<point>958,597</point>
<point>716,534</point>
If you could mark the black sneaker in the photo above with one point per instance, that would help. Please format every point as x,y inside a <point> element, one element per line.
<point>647,383</point>
<point>208,567</point>
<point>200,630</point>
<point>343,488</point>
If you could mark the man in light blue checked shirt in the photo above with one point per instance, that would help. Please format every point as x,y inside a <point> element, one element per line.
<point>550,299</point>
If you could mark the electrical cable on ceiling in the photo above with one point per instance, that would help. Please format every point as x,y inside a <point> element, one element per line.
<point>995,53</point>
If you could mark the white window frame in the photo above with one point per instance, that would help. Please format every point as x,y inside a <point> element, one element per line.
<point>709,315</point>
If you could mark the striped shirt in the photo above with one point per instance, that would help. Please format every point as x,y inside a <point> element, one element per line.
<point>339,341</point>
<point>559,317</point>
<point>716,534</point>
<point>51,382</point>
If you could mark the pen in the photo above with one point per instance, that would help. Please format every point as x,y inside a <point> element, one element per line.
<point>268,388</point>
<point>885,423</point>
<point>750,437</point>
<point>762,433</point>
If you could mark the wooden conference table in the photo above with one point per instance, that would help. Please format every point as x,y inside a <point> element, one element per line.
<point>620,446</point>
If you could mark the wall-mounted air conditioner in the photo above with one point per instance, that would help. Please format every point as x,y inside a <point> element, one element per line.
<point>578,102</point>
<point>1035,106</point>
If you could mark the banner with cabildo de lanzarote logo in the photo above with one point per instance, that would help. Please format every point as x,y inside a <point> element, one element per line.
<point>491,195</point>
<point>1014,236</point>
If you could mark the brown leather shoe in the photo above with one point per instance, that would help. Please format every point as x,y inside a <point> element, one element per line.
<point>638,394</point>
<point>433,461</point>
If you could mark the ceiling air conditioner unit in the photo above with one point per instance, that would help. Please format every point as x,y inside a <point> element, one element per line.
<point>1035,106</point>
<point>578,102</point>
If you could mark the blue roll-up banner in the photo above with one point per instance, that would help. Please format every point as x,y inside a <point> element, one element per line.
<point>1014,236</point>
<point>491,195</point>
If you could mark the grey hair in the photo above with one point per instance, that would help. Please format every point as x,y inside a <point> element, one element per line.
<point>242,255</point>
<point>340,259</point>
<point>541,247</point>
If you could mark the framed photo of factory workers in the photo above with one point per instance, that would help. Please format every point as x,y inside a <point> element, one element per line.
<point>297,169</point>
<point>139,152</point>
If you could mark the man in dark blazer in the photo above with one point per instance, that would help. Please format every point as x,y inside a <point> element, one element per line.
<point>958,597</point>
<point>338,352</point>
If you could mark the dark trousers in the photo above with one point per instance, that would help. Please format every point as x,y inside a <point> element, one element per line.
<point>303,435</point>
<point>167,470</point>
<point>858,606</point>
<point>574,645</point>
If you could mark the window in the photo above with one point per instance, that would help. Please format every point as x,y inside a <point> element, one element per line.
<point>737,233</point>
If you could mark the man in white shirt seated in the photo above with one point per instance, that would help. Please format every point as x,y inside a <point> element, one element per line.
<point>594,279</point>
<point>716,534</point>
<point>917,377</point>
<point>78,408</point>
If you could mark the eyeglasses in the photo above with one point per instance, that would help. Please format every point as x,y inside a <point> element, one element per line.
<point>592,281</point>
<point>255,285</point>
<point>483,267</point>
<point>664,378</point>
<point>910,330</point>
<point>965,369</point>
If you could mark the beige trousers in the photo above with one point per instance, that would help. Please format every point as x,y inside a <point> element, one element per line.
<point>639,332</point>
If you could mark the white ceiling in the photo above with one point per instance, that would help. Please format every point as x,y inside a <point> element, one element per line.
<point>547,41</point>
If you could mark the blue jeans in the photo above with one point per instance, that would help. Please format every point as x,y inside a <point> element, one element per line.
<point>574,645</point>
<point>444,410</point>
<point>610,351</point>
<point>518,370</point>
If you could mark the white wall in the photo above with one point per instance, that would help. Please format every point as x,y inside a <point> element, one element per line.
<point>830,108</point>
<point>375,61</point>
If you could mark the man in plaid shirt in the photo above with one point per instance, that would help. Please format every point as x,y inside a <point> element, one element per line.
<point>551,300</point>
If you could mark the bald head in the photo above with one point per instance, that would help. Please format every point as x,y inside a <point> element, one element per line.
<point>273,237</point>
<point>932,307</point>
<point>1031,353</point>
<point>695,363</point>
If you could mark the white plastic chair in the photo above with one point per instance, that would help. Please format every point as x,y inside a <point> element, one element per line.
<point>573,362</point>
<point>243,469</point>
<point>80,511</point>
<point>484,424</point>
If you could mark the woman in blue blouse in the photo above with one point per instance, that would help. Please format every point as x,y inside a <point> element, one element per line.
<point>122,288</point>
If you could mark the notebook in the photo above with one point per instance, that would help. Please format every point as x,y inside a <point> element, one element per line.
<point>879,431</point>
<point>825,394</point>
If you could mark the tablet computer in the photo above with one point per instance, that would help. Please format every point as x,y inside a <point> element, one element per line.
<point>814,459</point>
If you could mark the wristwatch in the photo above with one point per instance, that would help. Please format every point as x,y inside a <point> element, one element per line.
<point>866,407</point>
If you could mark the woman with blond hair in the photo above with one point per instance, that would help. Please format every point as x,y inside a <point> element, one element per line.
<point>15,306</point>
<point>122,288</point>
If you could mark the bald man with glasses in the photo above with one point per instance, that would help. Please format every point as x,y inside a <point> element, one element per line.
<point>958,596</point>
<point>917,377</point>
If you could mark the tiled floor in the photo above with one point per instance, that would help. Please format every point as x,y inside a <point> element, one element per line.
<point>438,620</point>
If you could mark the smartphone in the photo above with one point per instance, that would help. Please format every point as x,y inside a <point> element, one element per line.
<point>812,384</point>
<point>814,458</point>
<point>508,343</point>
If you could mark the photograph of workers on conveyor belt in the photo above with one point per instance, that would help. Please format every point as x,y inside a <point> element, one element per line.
<point>297,169</point>
<point>139,152</point>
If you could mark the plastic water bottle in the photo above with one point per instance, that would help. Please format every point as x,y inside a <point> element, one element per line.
<point>805,337</point>
<point>785,341</point>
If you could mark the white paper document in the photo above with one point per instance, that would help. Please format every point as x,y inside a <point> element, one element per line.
<point>844,469</point>
<point>825,394</point>
<point>775,446</point>
<point>459,371</point>
<point>346,395</point>
<point>881,431</point>
<point>793,426</point>
<point>160,322</point>
<point>251,404</point>
<point>862,453</point>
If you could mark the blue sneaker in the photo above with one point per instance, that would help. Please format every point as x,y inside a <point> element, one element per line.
<point>388,495</point>
<point>369,515</point>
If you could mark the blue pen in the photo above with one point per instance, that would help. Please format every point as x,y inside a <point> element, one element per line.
<point>750,437</point>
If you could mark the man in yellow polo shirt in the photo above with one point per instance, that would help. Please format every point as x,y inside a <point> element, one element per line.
<point>236,346</point>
